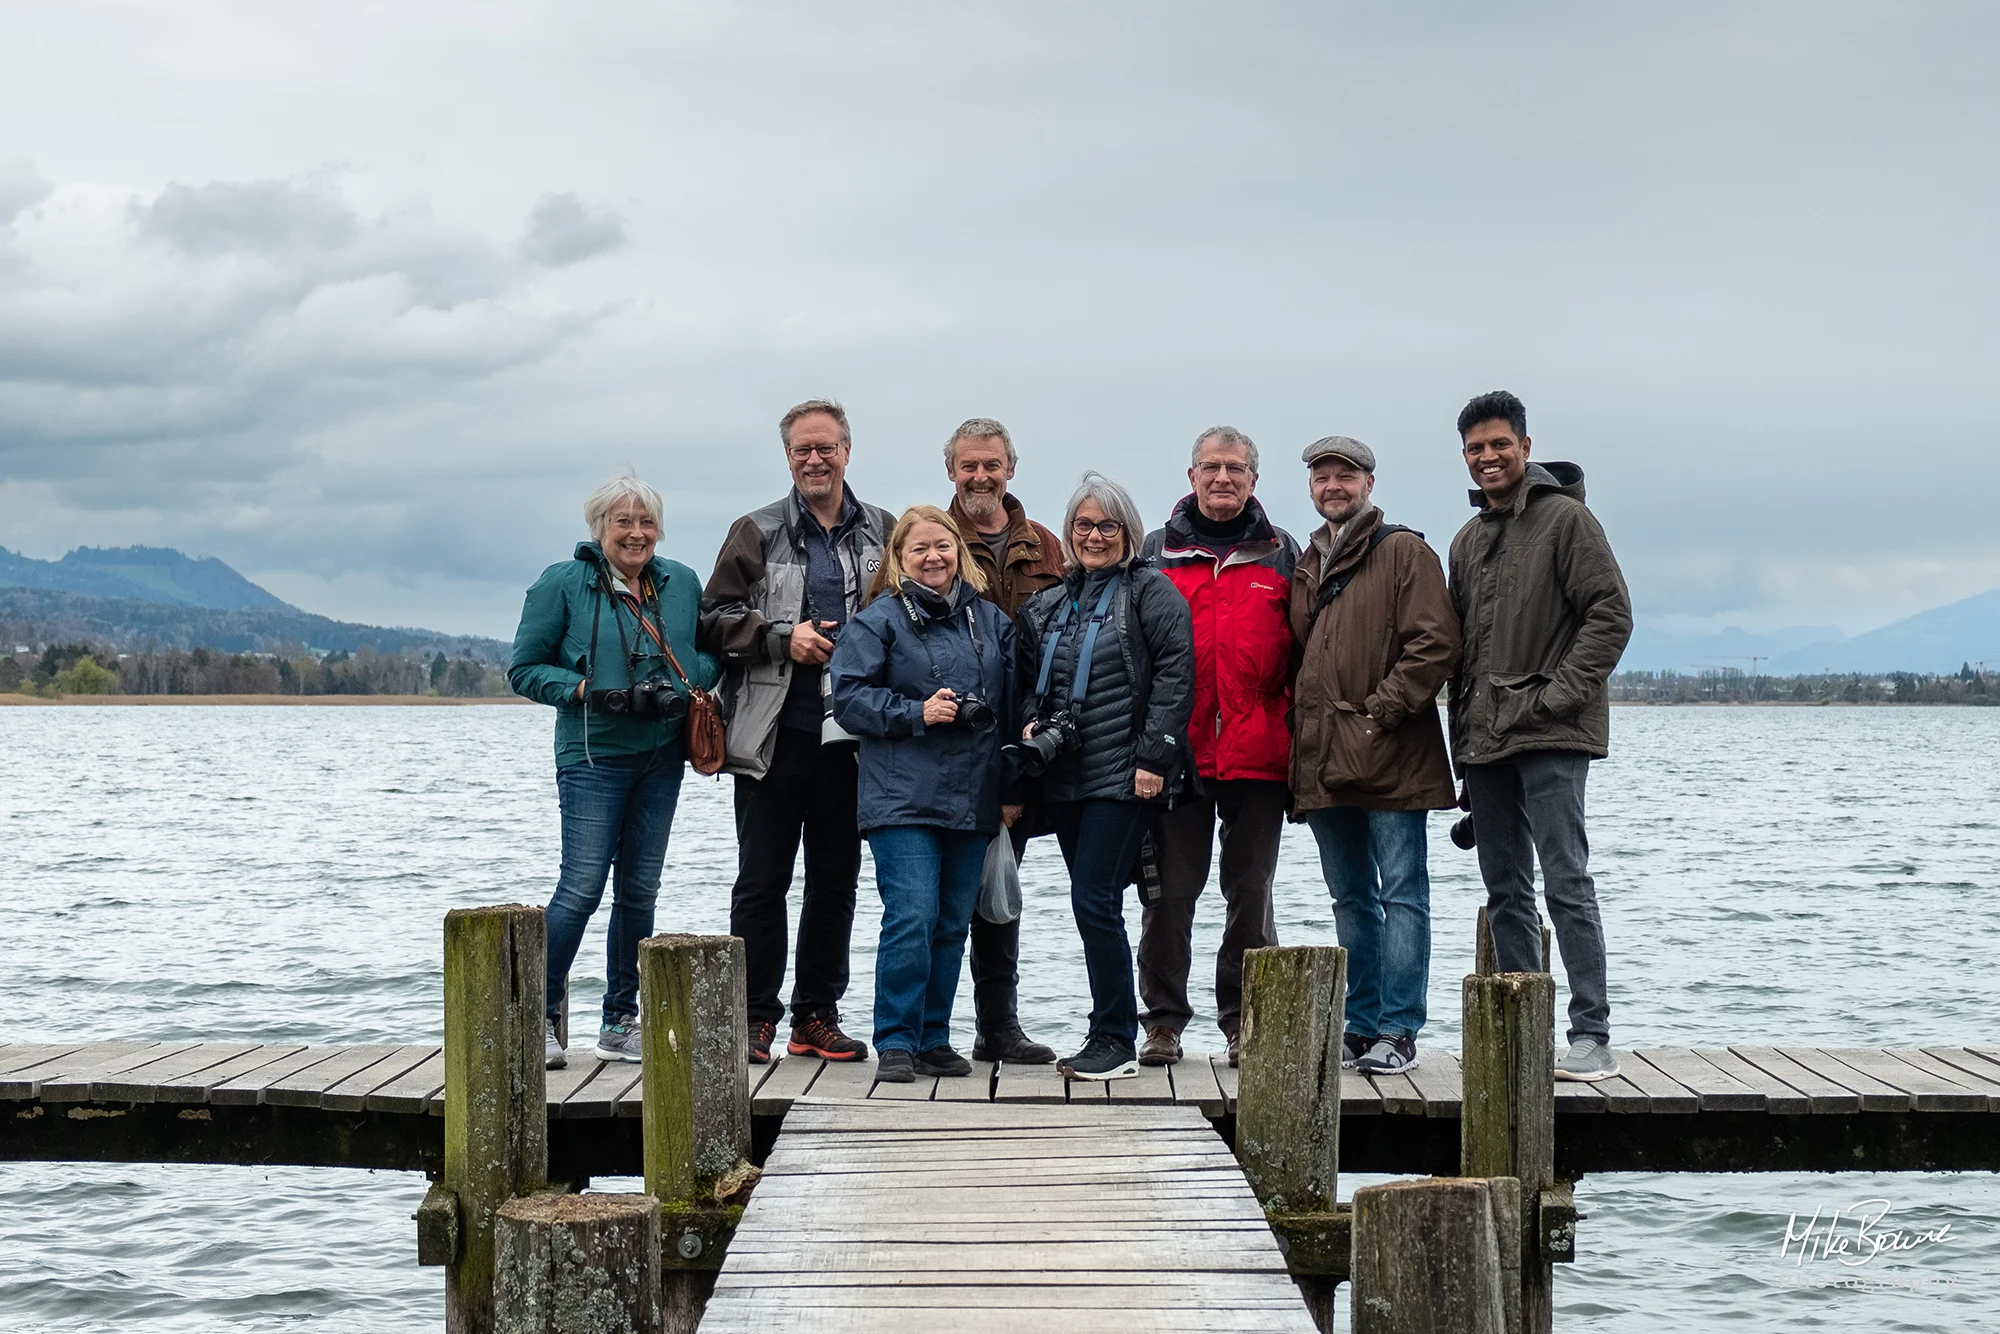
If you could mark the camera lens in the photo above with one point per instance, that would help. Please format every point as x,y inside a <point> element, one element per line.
<point>976,713</point>
<point>1463,835</point>
<point>617,701</point>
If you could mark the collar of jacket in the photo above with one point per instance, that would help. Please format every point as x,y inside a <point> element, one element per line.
<point>1023,545</point>
<point>1352,542</point>
<point>594,554</point>
<point>850,514</point>
<point>939,606</point>
<point>1562,478</point>
<point>1180,539</point>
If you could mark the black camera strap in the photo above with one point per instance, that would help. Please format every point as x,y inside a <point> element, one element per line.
<point>921,624</point>
<point>1332,587</point>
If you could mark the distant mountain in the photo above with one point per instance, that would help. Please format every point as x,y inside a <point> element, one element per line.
<point>1939,640</point>
<point>1654,651</point>
<point>140,598</point>
<point>144,574</point>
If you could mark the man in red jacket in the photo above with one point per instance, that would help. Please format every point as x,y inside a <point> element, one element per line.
<point>1235,569</point>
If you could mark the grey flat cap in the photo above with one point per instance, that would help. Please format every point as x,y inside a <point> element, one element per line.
<point>1341,447</point>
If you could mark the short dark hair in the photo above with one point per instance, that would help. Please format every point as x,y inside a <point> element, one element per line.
<point>1499,405</point>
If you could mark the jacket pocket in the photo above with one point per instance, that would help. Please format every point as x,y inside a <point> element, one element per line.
<point>1356,755</point>
<point>1517,700</point>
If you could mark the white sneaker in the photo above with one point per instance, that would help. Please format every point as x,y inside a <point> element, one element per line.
<point>553,1055</point>
<point>1588,1061</point>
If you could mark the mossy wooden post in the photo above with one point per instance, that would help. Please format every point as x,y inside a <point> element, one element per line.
<point>696,1129</point>
<point>1507,1125</point>
<point>496,1120</point>
<point>1437,1255</point>
<point>1288,1095</point>
<point>577,1264</point>
<point>1484,961</point>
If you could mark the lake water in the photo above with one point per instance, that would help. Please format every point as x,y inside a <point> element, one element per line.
<point>1776,876</point>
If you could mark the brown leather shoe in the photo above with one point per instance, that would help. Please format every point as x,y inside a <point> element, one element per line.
<point>1235,1047</point>
<point>1163,1046</point>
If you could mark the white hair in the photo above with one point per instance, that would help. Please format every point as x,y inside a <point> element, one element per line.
<point>621,486</point>
<point>1116,502</point>
<point>1229,438</point>
<point>979,428</point>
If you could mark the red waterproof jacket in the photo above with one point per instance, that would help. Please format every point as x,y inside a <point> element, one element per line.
<point>1241,603</point>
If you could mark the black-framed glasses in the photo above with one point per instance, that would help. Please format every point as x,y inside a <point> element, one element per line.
<point>804,452</point>
<point>1104,528</point>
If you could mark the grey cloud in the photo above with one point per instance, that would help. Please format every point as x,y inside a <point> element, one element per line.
<point>261,217</point>
<point>563,230</point>
<point>21,188</point>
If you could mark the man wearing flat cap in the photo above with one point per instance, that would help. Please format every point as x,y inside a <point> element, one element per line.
<point>1378,639</point>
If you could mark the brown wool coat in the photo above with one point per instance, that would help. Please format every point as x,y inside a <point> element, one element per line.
<point>1034,557</point>
<point>1365,728</point>
<point>1546,618</point>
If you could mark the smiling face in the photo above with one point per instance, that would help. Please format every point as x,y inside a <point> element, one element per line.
<point>629,535</point>
<point>1222,480</point>
<point>1096,549</point>
<point>817,455</point>
<point>1497,459</point>
<point>929,555</point>
<point>980,472</point>
<point>1339,489</point>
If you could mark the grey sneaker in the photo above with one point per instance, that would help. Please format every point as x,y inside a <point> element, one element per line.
<point>1588,1061</point>
<point>619,1041</point>
<point>1390,1054</point>
<point>553,1055</point>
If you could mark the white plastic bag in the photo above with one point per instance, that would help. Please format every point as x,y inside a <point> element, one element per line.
<point>1000,882</point>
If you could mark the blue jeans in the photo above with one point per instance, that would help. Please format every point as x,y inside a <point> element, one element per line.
<point>929,881</point>
<point>1377,869</point>
<point>1100,840</point>
<point>617,810</point>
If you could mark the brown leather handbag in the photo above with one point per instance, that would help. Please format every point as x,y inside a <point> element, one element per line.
<point>706,743</point>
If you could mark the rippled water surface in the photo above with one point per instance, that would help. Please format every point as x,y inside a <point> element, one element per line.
<point>1781,876</point>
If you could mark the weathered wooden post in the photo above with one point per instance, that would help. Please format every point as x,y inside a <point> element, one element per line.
<point>1441,1254</point>
<point>1507,1125</point>
<point>496,1121</point>
<point>577,1264</point>
<point>696,1036</point>
<point>1484,960</point>
<point>1288,1107</point>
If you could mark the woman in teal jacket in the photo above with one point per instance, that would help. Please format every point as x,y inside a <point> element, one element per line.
<point>607,637</point>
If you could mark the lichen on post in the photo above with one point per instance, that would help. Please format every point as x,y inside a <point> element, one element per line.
<point>1288,1092</point>
<point>1507,1121</point>
<point>696,1035</point>
<point>578,1264</point>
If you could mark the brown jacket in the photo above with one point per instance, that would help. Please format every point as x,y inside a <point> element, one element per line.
<point>1365,728</point>
<point>1546,617</point>
<point>1034,557</point>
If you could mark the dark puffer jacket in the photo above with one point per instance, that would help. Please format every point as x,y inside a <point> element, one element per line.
<point>883,669</point>
<point>1545,616</point>
<point>1141,691</point>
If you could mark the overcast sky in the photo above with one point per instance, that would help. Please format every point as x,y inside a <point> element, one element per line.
<point>364,298</point>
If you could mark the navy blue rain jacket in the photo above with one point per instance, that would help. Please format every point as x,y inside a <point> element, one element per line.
<point>885,666</point>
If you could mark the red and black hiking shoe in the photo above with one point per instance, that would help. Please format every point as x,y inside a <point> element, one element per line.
<point>819,1035</point>
<point>760,1042</point>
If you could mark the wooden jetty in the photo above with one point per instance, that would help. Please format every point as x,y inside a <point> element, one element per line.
<point>1195,1197</point>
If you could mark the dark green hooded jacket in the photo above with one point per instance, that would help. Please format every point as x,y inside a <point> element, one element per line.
<point>552,652</point>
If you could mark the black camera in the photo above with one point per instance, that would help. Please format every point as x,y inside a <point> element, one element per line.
<point>975,713</point>
<point>1052,734</point>
<point>647,699</point>
<point>1462,834</point>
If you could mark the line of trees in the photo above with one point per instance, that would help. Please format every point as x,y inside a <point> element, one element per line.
<point>1968,685</point>
<point>84,669</point>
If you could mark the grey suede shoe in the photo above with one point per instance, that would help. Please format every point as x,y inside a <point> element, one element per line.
<point>619,1041</point>
<point>1587,1062</point>
<point>553,1055</point>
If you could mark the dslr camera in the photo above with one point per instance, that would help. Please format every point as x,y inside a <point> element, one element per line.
<point>974,712</point>
<point>647,699</point>
<point>1052,734</point>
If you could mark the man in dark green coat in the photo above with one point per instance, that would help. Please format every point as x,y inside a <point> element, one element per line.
<point>1545,616</point>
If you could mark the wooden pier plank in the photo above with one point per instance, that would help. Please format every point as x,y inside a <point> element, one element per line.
<point>846,1079</point>
<point>1620,1094</point>
<point>565,1090</point>
<point>1985,1074</point>
<point>1226,1076</point>
<point>1438,1076</point>
<point>351,1094</point>
<point>788,1081</point>
<point>628,1088</point>
<point>246,1088</point>
<point>919,1089</point>
<point>1875,1095</point>
<point>1572,1096</point>
<point>22,1055</point>
<point>195,1086</point>
<point>1713,1090</point>
<point>1780,1098</point>
<point>1825,1096</point>
<point>1194,1085</point>
<point>1152,1085</point>
<point>74,1084</point>
<point>304,1088</point>
<point>142,1083</point>
<point>1029,1084</point>
<point>1400,1096</point>
<point>410,1092</point>
<point>975,1087</point>
<point>27,1081</point>
<point>1928,1091</point>
<point>1665,1095</point>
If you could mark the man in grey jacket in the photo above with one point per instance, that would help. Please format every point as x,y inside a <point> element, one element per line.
<point>1546,617</point>
<point>788,577</point>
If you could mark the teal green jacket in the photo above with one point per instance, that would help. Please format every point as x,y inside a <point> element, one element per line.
<point>552,652</point>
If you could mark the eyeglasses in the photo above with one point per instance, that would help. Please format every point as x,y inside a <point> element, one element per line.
<point>1105,528</point>
<point>1213,467</point>
<point>801,453</point>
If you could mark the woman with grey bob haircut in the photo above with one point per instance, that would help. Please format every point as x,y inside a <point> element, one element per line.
<point>1106,659</point>
<point>605,637</point>
<point>1114,503</point>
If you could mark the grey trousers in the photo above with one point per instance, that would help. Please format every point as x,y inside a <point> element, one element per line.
<point>1526,808</point>
<point>1252,813</point>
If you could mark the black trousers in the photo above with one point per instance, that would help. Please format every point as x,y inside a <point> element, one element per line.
<point>996,960</point>
<point>810,793</point>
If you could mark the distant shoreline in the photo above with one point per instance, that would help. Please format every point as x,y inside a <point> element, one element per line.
<point>342,701</point>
